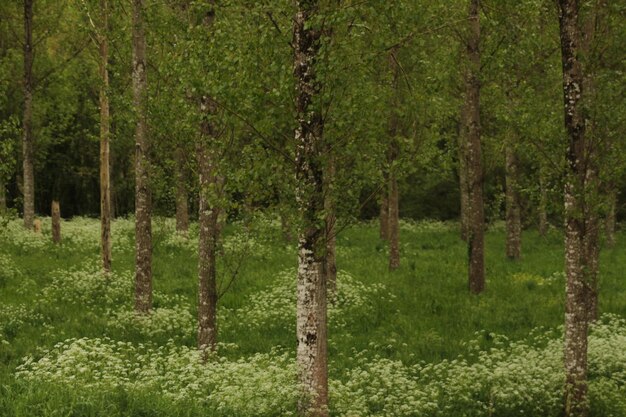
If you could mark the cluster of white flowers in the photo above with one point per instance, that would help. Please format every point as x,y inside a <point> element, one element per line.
<point>89,286</point>
<point>176,322</point>
<point>524,378</point>
<point>8,270</point>
<point>258,385</point>
<point>13,317</point>
<point>276,306</point>
<point>12,233</point>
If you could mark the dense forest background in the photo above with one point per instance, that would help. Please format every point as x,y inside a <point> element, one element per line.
<point>520,98</point>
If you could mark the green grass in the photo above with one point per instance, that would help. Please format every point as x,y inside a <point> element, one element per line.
<point>431,318</point>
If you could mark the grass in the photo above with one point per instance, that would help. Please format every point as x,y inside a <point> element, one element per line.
<point>429,317</point>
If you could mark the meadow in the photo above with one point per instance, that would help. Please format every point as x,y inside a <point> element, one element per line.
<point>412,342</point>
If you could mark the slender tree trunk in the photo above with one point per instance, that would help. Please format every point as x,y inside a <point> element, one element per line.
<point>543,203</point>
<point>3,197</point>
<point>463,183</point>
<point>576,313</point>
<point>475,208</point>
<point>56,222</point>
<point>312,356</point>
<point>393,151</point>
<point>143,211</point>
<point>209,219</point>
<point>331,219</point>
<point>384,209</point>
<point>609,222</point>
<point>209,230</point>
<point>182,207</point>
<point>27,122</point>
<point>105,177</point>
<point>513,216</point>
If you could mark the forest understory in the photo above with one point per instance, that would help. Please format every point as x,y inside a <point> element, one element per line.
<point>412,342</point>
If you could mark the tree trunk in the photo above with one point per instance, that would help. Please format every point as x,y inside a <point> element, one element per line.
<point>331,219</point>
<point>56,222</point>
<point>393,152</point>
<point>384,209</point>
<point>609,224</point>
<point>3,197</point>
<point>105,177</point>
<point>143,215</point>
<point>182,207</point>
<point>576,314</point>
<point>209,219</point>
<point>209,230</point>
<point>475,209</point>
<point>394,224</point>
<point>513,216</point>
<point>312,356</point>
<point>463,183</point>
<point>543,203</point>
<point>27,122</point>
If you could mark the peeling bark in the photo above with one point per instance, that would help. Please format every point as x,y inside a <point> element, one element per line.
<point>471,132</point>
<point>27,121</point>
<point>105,128</point>
<point>513,212</point>
<point>56,222</point>
<point>312,358</point>
<point>577,301</point>
<point>143,210</point>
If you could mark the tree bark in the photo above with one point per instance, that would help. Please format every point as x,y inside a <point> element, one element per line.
<point>609,222</point>
<point>27,122</point>
<point>209,222</point>
<point>384,209</point>
<point>3,197</point>
<point>393,152</point>
<point>56,222</point>
<point>543,203</point>
<point>576,307</point>
<point>513,212</point>
<point>143,210</point>
<point>463,183</point>
<point>105,128</point>
<point>182,206</point>
<point>475,207</point>
<point>312,357</point>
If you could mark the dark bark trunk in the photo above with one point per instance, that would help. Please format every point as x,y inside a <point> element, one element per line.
<point>312,357</point>
<point>27,123</point>
<point>182,206</point>
<point>475,209</point>
<point>543,203</point>
<point>105,177</point>
<point>384,209</point>
<point>56,222</point>
<point>513,212</point>
<point>609,222</point>
<point>577,287</point>
<point>392,155</point>
<point>143,211</point>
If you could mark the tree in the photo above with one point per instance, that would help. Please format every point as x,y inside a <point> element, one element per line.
<point>143,217</point>
<point>311,306</point>
<point>105,128</point>
<point>576,234</point>
<point>513,209</point>
<point>27,119</point>
<point>472,154</point>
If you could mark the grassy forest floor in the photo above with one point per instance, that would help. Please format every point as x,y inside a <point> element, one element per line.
<point>408,343</point>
